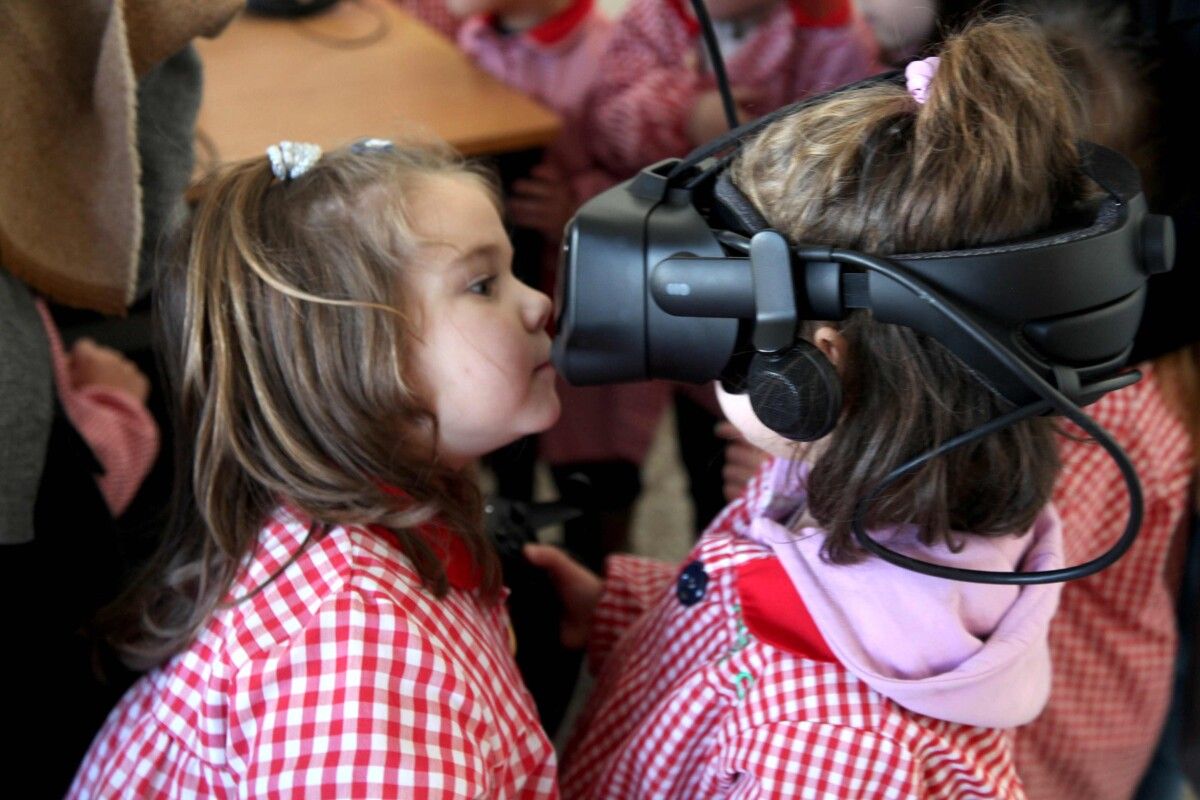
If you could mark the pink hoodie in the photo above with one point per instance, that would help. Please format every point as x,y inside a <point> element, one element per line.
<point>971,653</point>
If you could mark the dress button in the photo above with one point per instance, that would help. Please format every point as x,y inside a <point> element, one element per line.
<point>692,583</point>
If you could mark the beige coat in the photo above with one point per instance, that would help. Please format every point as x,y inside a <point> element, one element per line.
<point>70,200</point>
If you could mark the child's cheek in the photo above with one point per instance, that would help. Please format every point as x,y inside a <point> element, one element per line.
<point>738,411</point>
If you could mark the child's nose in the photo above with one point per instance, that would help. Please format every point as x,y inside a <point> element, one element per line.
<point>536,310</point>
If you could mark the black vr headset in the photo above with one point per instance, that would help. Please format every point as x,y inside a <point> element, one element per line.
<point>675,275</point>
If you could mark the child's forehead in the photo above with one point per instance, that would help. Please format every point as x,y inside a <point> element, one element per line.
<point>454,219</point>
<point>451,207</point>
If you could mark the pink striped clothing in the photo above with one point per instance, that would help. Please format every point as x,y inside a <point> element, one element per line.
<point>117,427</point>
<point>1113,641</point>
<point>649,81</point>
<point>341,677</point>
<point>736,693</point>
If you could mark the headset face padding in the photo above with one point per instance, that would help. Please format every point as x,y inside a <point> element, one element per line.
<point>795,392</point>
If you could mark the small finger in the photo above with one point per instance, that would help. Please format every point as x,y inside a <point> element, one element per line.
<point>543,555</point>
<point>533,189</point>
<point>727,430</point>
<point>85,346</point>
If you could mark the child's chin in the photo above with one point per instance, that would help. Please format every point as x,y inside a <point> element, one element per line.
<point>548,412</point>
<point>552,414</point>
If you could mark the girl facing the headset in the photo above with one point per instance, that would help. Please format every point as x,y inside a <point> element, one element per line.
<point>345,337</point>
<point>780,660</point>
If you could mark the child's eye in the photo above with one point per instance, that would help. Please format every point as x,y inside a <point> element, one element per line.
<point>483,286</point>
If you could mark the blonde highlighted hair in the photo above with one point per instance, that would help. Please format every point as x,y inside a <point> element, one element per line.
<point>287,334</point>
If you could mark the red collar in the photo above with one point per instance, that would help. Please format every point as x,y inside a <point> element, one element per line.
<point>805,14</point>
<point>821,13</point>
<point>451,550</point>
<point>774,612</point>
<point>461,570</point>
<point>557,27</point>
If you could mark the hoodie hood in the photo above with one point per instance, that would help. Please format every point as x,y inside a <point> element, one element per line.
<point>970,653</point>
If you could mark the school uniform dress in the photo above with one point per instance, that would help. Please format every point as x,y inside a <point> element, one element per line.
<point>339,677</point>
<point>556,63</point>
<point>654,70</point>
<point>1114,639</point>
<point>757,670</point>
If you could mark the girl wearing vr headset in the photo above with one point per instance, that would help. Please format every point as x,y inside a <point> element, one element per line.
<point>781,660</point>
<point>1114,638</point>
<point>325,616</point>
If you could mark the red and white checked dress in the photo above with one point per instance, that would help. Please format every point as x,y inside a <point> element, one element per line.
<point>341,678</point>
<point>695,702</point>
<point>1113,641</point>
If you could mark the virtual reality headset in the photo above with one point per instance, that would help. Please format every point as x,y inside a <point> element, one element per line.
<point>673,274</point>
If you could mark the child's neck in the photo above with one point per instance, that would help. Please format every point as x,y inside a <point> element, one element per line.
<point>522,19</point>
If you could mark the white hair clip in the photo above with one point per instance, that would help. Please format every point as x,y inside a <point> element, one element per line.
<point>372,145</point>
<point>290,160</point>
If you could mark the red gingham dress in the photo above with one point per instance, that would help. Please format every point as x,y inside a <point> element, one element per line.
<point>1113,641</point>
<point>690,703</point>
<point>341,678</point>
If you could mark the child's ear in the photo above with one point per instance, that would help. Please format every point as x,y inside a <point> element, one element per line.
<point>830,341</point>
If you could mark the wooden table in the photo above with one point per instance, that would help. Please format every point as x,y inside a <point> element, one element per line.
<point>268,79</point>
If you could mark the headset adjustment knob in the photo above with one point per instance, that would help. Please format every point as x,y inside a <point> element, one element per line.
<point>1158,244</point>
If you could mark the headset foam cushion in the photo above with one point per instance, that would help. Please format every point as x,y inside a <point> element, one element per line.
<point>796,393</point>
<point>735,209</point>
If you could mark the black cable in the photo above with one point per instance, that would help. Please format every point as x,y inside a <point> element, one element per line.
<point>1052,399</point>
<point>718,63</point>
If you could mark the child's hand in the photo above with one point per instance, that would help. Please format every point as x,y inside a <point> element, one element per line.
<point>578,586</point>
<point>742,460</point>
<point>707,118</point>
<point>92,364</point>
<point>543,201</point>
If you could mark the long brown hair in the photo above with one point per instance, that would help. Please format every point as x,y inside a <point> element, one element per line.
<point>286,333</point>
<point>990,156</point>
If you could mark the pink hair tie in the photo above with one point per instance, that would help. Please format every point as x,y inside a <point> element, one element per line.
<point>918,74</point>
